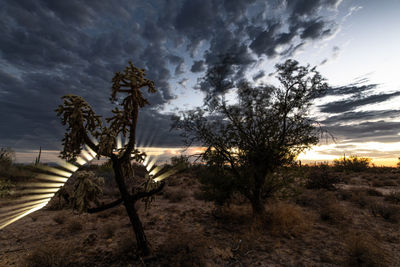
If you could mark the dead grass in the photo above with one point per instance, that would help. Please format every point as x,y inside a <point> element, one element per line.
<point>109,230</point>
<point>74,226</point>
<point>49,256</point>
<point>388,212</point>
<point>364,250</point>
<point>174,195</point>
<point>393,197</point>
<point>183,248</point>
<point>60,218</point>
<point>287,219</point>
<point>332,211</point>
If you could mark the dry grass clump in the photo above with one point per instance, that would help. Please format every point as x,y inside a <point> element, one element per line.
<point>60,218</point>
<point>174,196</point>
<point>393,197</point>
<point>183,248</point>
<point>109,231</point>
<point>364,250</point>
<point>332,211</point>
<point>390,213</point>
<point>74,226</point>
<point>56,255</point>
<point>286,219</point>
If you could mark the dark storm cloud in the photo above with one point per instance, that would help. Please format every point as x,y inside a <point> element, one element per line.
<point>198,66</point>
<point>353,116</point>
<point>379,131</point>
<point>258,75</point>
<point>355,102</point>
<point>51,48</point>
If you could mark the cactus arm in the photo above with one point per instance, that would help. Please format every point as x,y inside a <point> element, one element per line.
<point>106,206</point>
<point>140,195</point>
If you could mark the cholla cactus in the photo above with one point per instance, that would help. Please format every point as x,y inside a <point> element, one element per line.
<point>87,189</point>
<point>83,124</point>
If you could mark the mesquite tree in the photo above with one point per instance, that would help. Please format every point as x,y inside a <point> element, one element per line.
<point>83,124</point>
<point>266,128</point>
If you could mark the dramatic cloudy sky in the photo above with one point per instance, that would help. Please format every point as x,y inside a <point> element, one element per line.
<point>50,48</point>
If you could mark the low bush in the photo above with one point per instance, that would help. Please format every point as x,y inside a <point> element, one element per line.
<point>60,218</point>
<point>364,250</point>
<point>49,256</point>
<point>352,164</point>
<point>334,213</point>
<point>320,177</point>
<point>74,227</point>
<point>109,230</point>
<point>174,195</point>
<point>393,197</point>
<point>286,219</point>
<point>390,213</point>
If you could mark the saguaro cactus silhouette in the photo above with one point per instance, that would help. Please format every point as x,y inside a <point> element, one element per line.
<point>82,124</point>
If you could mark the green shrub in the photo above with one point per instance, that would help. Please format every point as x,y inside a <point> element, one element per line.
<point>217,184</point>
<point>352,163</point>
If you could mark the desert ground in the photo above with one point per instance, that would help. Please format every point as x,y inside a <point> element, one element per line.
<point>356,223</point>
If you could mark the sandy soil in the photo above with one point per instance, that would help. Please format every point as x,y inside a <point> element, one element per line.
<point>185,231</point>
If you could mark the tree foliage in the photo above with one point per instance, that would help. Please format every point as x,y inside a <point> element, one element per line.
<point>267,127</point>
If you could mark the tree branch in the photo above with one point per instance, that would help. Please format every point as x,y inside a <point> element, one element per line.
<point>106,206</point>
<point>140,195</point>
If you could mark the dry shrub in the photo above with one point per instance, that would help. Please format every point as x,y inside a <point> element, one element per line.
<point>59,218</point>
<point>109,230</point>
<point>332,211</point>
<point>55,255</point>
<point>184,248</point>
<point>174,195</point>
<point>286,219</point>
<point>364,250</point>
<point>393,197</point>
<point>74,226</point>
<point>309,198</point>
<point>390,213</point>
<point>374,192</point>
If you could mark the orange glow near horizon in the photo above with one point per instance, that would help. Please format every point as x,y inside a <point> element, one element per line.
<point>381,154</point>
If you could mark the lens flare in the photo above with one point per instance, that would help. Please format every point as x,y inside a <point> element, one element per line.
<point>31,203</point>
<point>22,215</point>
<point>55,171</point>
<point>53,178</point>
<point>67,165</point>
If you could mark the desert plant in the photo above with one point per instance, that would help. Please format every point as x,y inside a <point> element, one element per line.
<point>83,124</point>
<point>364,250</point>
<point>6,158</point>
<point>74,226</point>
<point>320,177</point>
<point>60,218</point>
<point>49,256</point>
<point>393,197</point>
<point>87,189</point>
<point>37,159</point>
<point>267,127</point>
<point>287,219</point>
<point>352,163</point>
<point>5,187</point>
